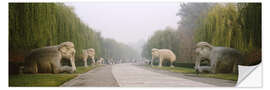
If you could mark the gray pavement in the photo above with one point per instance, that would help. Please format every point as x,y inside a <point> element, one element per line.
<point>194,77</point>
<point>98,77</point>
<point>128,75</point>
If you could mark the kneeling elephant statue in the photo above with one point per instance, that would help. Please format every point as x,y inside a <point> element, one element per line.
<point>100,61</point>
<point>48,59</point>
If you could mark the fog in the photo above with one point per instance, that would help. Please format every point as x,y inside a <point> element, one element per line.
<point>127,22</point>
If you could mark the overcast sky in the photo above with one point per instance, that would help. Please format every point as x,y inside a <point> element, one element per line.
<point>127,22</point>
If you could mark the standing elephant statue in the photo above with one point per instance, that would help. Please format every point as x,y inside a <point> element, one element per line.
<point>163,54</point>
<point>89,53</point>
<point>48,59</point>
<point>222,59</point>
<point>100,61</point>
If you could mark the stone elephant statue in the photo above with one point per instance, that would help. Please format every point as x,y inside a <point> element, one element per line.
<point>88,53</point>
<point>48,59</point>
<point>163,54</point>
<point>100,61</point>
<point>221,59</point>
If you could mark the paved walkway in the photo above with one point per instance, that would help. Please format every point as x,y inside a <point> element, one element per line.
<point>193,77</point>
<point>98,77</point>
<point>128,75</point>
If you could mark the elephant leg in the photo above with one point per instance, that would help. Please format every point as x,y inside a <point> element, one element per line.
<point>30,69</point>
<point>72,61</point>
<point>235,68</point>
<point>152,61</point>
<point>213,68</point>
<point>160,62</point>
<point>197,63</point>
<point>172,64</point>
<point>85,62</point>
<point>35,69</point>
<point>93,60</point>
<point>45,67</point>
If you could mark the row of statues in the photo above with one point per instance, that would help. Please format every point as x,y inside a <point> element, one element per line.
<point>48,59</point>
<point>221,59</point>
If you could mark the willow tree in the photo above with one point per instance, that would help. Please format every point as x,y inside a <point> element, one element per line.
<point>236,26</point>
<point>162,39</point>
<point>190,14</point>
<point>35,25</point>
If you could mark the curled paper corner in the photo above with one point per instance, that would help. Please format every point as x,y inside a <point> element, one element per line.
<point>249,76</point>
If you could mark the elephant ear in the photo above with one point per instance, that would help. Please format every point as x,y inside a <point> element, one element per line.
<point>62,48</point>
<point>205,45</point>
<point>89,51</point>
<point>92,50</point>
<point>154,50</point>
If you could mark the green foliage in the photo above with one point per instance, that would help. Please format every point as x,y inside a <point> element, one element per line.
<point>35,80</point>
<point>35,25</point>
<point>232,25</point>
<point>220,26</point>
<point>180,41</point>
<point>185,65</point>
<point>233,77</point>
<point>226,24</point>
<point>177,69</point>
<point>190,14</point>
<point>82,69</point>
<point>163,39</point>
<point>250,19</point>
<point>116,50</point>
<point>191,71</point>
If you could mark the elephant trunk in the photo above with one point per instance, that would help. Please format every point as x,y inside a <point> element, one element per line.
<point>85,63</point>
<point>197,63</point>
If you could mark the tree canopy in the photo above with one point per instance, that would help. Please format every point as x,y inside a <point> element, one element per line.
<point>235,25</point>
<point>36,25</point>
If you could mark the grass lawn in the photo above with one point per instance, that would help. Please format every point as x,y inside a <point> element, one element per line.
<point>40,80</point>
<point>80,70</point>
<point>184,70</point>
<point>177,69</point>
<point>233,77</point>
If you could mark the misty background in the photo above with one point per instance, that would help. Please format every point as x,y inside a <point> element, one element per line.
<point>129,23</point>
